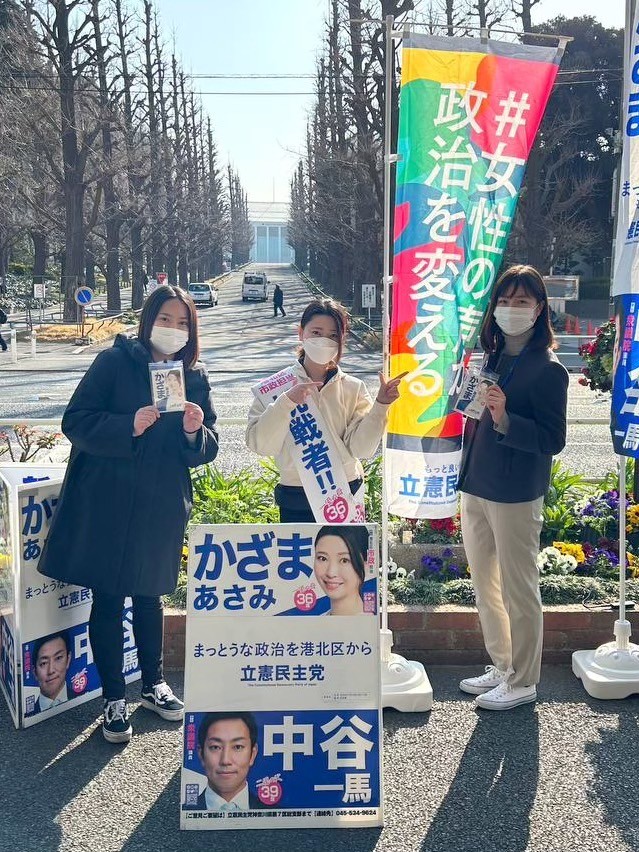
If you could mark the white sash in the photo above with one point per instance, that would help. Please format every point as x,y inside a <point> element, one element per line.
<point>314,450</point>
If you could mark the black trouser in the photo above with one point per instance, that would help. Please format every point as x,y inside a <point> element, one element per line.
<point>294,506</point>
<point>3,345</point>
<point>107,640</point>
<point>277,308</point>
<point>296,516</point>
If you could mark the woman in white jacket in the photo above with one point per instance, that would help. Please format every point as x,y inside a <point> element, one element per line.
<point>355,421</point>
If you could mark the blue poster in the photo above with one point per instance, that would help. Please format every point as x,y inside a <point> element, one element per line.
<point>7,661</point>
<point>624,410</point>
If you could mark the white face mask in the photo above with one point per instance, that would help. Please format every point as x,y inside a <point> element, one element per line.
<point>321,350</point>
<point>515,320</point>
<point>168,341</point>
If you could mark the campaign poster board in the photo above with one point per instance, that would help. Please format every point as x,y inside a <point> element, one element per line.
<point>48,620</point>
<point>8,647</point>
<point>285,646</point>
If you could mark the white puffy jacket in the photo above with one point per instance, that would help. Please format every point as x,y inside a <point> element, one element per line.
<point>357,424</point>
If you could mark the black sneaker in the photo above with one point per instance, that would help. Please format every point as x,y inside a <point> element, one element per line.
<point>116,727</point>
<point>161,700</point>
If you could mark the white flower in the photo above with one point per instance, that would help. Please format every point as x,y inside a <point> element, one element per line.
<point>552,561</point>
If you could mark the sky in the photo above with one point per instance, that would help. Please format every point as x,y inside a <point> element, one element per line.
<point>262,132</point>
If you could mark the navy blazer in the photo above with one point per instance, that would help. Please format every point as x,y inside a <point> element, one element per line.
<point>515,467</point>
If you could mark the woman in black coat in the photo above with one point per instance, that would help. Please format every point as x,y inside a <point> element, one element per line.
<point>120,521</point>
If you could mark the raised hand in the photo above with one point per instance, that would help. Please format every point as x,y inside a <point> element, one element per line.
<point>389,390</point>
<point>301,391</point>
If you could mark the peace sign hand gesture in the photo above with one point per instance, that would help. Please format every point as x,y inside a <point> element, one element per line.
<point>389,390</point>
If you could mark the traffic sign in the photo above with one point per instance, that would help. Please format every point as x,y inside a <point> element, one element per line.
<point>162,278</point>
<point>83,295</point>
<point>39,290</point>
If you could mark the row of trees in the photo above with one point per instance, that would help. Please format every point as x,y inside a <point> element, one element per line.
<point>106,156</point>
<point>336,193</point>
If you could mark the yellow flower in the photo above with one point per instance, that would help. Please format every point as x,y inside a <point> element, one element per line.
<point>632,519</point>
<point>568,549</point>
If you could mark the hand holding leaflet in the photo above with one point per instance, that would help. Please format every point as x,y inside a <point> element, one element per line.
<point>475,389</point>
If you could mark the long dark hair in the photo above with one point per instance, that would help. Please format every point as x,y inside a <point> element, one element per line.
<point>356,540</point>
<point>526,278</point>
<point>327,308</point>
<point>190,353</point>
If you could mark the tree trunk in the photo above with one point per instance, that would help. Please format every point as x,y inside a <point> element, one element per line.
<point>183,269</point>
<point>40,253</point>
<point>74,241</point>
<point>89,269</point>
<point>137,266</point>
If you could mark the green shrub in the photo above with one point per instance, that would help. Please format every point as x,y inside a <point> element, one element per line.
<point>21,268</point>
<point>240,498</point>
<point>555,590</point>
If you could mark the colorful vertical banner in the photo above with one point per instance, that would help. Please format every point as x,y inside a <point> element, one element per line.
<point>469,112</point>
<point>624,414</point>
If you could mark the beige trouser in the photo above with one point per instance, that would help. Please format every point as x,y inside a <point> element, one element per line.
<point>502,543</point>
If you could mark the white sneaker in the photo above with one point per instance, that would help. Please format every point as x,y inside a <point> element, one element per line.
<point>491,678</point>
<point>505,697</point>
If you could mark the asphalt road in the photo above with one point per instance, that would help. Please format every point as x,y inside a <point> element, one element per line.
<point>558,776</point>
<point>242,342</point>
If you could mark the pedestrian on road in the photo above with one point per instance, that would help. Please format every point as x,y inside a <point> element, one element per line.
<point>504,475</point>
<point>356,422</point>
<point>278,301</point>
<point>3,319</point>
<point>120,520</point>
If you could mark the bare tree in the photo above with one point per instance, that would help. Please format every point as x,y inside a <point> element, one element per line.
<point>522,10</point>
<point>68,51</point>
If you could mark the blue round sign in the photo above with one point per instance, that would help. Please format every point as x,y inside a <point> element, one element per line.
<point>83,295</point>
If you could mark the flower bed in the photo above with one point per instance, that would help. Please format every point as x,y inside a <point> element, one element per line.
<point>598,355</point>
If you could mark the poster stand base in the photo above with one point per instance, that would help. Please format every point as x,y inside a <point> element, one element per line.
<point>405,684</point>
<point>612,671</point>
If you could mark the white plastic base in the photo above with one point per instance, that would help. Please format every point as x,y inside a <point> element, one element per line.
<point>405,684</point>
<point>609,672</point>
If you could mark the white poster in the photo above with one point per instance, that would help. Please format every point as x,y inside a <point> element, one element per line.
<point>282,678</point>
<point>46,624</point>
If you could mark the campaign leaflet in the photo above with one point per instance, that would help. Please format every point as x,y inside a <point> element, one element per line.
<point>51,617</point>
<point>282,678</point>
<point>472,396</point>
<point>167,385</point>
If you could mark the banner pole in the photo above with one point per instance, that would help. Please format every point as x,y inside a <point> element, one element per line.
<point>386,296</point>
<point>405,684</point>
<point>622,639</point>
<point>612,670</point>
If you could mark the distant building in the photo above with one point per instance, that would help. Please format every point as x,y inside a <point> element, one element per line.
<point>269,220</point>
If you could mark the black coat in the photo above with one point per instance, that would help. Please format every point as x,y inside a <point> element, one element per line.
<point>278,297</point>
<point>124,505</point>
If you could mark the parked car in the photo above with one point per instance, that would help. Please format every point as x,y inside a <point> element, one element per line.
<point>254,286</point>
<point>203,293</point>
